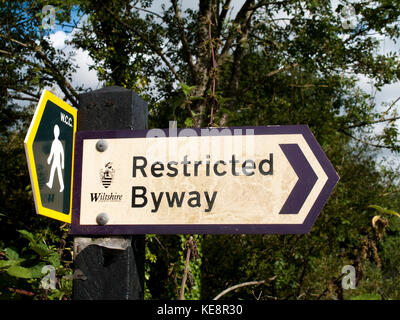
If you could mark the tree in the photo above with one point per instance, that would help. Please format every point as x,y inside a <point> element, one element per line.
<point>28,61</point>
<point>197,47</point>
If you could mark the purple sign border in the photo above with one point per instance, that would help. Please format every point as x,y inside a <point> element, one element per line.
<point>77,229</point>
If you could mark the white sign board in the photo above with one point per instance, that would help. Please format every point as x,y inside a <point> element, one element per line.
<point>231,180</point>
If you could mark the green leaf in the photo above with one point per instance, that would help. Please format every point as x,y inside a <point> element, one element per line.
<point>225,110</point>
<point>19,272</point>
<point>27,235</point>
<point>7,263</point>
<point>54,259</point>
<point>384,210</point>
<point>221,100</point>
<point>40,248</point>
<point>186,89</point>
<point>194,98</point>
<point>11,254</point>
<point>36,271</point>
<point>189,122</point>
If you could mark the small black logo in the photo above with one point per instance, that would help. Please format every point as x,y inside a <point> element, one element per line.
<point>107,174</point>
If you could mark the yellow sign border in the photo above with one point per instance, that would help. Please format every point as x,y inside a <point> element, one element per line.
<point>28,143</point>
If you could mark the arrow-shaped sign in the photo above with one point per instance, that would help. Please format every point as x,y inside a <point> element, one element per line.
<point>49,146</point>
<point>213,180</point>
<point>306,175</point>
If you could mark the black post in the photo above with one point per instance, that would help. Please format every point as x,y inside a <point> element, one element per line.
<point>110,267</point>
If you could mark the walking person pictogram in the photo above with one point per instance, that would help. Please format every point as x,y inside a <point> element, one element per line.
<point>57,154</point>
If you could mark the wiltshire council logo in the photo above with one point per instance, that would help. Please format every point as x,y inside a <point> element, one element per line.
<point>107,175</point>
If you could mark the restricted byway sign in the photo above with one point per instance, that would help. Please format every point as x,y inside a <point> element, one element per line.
<point>49,147</point>
<point>272,179</point>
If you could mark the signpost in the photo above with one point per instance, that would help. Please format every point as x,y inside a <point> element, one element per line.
<point>49,147</point>
<point>128,182</point>
<point>219,180</point>
<point>110,267</point>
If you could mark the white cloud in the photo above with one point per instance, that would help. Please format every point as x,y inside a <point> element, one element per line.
<point>58,39</point>
<point>82,76</point>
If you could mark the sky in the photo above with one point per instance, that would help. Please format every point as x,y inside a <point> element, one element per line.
<point>82,76</point>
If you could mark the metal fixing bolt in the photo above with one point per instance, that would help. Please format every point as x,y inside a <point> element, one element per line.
<point>102,219</point>
<point>101,145</point>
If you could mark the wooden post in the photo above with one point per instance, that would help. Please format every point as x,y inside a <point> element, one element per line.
<point>110,268</point>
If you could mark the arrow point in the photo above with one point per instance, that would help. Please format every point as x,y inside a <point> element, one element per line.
<point>305,183</point>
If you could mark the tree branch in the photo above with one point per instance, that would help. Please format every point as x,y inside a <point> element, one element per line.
<point>391,105</point>
<point>241,20</point>
<point>236,69</point>
<point>365,123</point>
<point>265,3</point>
<point>222,16</point>
<point>188,52</point>
<point>364,142</point>
<point>64,85</point>
<point>6,52</point>
<point>18,97</point>
<point>32,95</point>
<point>151,44</point>
<point>148,11</point>
<point>62,82</point>
<point>185,273</point>
<point>241,285</point>
<point>272,73</point>
<point>14,40</point>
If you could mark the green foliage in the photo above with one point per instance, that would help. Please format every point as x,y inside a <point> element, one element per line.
<point>309,266</point>
<point>193,284</point>
<point>21,273</point>
<point>186,89</point>
<point>150,259</point>
<point>28,61</point>
<point>168,264</point>
<point>384,210</point>
<point>367,296</point>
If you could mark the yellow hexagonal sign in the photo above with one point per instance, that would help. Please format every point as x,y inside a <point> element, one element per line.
<point>49,147</point>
